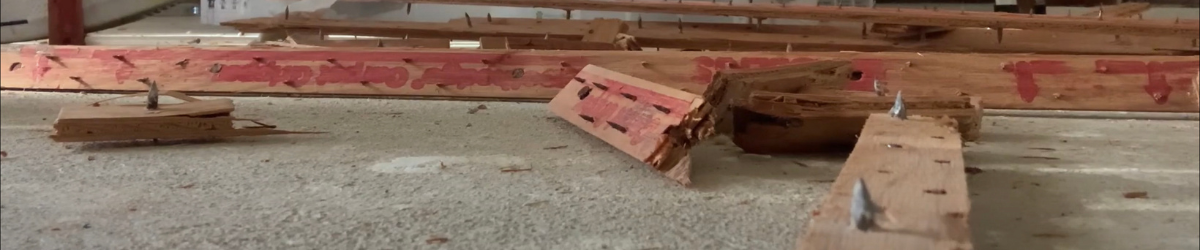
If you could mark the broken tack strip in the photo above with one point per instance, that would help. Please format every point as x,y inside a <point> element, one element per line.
<point>654,123</point>
<point>903,188</point>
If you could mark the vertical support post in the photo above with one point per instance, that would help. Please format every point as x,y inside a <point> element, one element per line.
<point>66,22</point>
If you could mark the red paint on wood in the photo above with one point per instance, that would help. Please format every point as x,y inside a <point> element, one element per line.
<point>1157,85</point>
<point>872,69</point>
<point>65,19</point>
<point>1024,71</point>
<point>298,68</point>
<point>706,67</point>
<point>640,118</point>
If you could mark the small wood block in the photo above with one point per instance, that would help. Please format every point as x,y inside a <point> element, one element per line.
<point>651,122</point>
<point>199,108</point>
<point>605,30</point>
<point>919,183</point>
<point>195,119</point>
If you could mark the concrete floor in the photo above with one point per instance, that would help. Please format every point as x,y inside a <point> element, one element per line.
<point>375,182</point>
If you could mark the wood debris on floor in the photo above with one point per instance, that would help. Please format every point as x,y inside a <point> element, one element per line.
<point>653,123</point>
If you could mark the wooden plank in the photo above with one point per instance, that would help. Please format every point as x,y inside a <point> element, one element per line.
<point>1119,10</point>
<point>861,14</point>
<point>1008,81</point>
<point>198,108</point>
<point>919,184</point>
<point>655,124</point>
<point>604,30</point>
<point>66,22</point>
<point>741,37</point>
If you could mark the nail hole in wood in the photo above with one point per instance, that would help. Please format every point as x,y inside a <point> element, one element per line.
<point>14,66</point>
<point>884,171</point>
<point>942,161</point>
<point>935,191</point>
<point>216,68</point>
<point>956,215</point>
<point>629,96</point>
<point>584,92</point>
<point>183,64</point>
<point>580,80</point>
<point>661,108</point>
<point>600,86</point>
<point>856,75</point>
<point>364,83</point>
<point>518,73</point>
<point>618,127</point>
<point>939,137</point>
<point>587,118</point>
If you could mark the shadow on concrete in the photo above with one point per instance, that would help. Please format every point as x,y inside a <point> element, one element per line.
<point>721,165</point>
<point>1024,210</point>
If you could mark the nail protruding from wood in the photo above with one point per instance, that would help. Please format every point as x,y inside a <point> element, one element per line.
<point>680,22</point>
<point>408,9</point>
<point>76,78</point>
<point>999,35</point>
<point>489,17</point>
<point>898,110</point>
<point>587,118</point>
<point>600,86</point>
<point>14,66</point>
<point>287,12</point>
<point>789,48</point>
<point>631,97</point>
<point>862,209</point>
<point>260,59</point>
<point>152,95</point>
<point>568,14</point>
<point>878,86</point>
<point>639,22</point>
<point>645,64</point>
<point>122,59</point>
<point>618,127</point>
<point>584,92</point>
<point>183,64</point>
<point>660,108</point>
<point>468,17</point>
<point>407,60</point>
<point>565,64</point>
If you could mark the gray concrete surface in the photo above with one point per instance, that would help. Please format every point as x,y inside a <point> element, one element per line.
<point>376,181</point>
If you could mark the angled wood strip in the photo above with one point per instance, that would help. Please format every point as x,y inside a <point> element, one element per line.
<point>1007,81</point>
<point>919,183</point>
<point>861,14</point>
<point>653,123</point>
<point>1119,10</point>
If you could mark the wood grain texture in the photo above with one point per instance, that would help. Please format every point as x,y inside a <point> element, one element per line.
<point>1008,81</point>
<point>66,22</point>
<point>1119,10</point>
<point>830,121</point>
<point>641,118</point>
<point>861,14</point>
<point>742,37</point>
<point>604,30</point>
<point>921,187</point>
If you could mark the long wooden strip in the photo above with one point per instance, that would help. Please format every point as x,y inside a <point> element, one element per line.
<point>1010,81</point>
<point>861,14</point>
<point>741,37</point>
<point>913,169</point>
